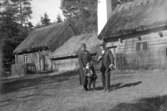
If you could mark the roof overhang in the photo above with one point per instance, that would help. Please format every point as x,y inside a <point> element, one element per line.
<point>31,50</point>
<point>135,33</point>
<point>68,57</point>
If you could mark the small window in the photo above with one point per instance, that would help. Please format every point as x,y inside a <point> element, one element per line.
<point>145,46</point>
<point>141,46</point>
<point>25,58</point>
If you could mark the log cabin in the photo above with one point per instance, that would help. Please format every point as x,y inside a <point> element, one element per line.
<point>33,54</point>
<point>65,58</point>
<point>138,31</point>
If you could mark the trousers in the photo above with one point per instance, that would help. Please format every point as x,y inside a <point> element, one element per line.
<point>81,76</point>
<point>106,78</point>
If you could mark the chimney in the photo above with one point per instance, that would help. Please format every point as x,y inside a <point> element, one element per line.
<point>104,13</point>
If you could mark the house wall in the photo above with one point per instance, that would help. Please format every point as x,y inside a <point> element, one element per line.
<point>1,61</point>
<point>39,59</point>
<point>129,55</point>
<point>65,65</point>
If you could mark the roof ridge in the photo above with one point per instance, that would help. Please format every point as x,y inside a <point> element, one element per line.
<point>49,26</point>
<point>132,4</point>
<point>139,17</point>
<point>45,36</point>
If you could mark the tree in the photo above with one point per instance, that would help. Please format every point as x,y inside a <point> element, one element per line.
<point>82,12</point>
<point>30,25</point>
<point>24,10</point>
<point>9,17</point>
<point>59,19</point>
<point>11,31</point>
<point>21,9</point>
<point>45,20</point>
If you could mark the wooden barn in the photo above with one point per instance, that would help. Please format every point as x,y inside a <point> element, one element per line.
<point>137,31</point>
<point>33,54</point>
<point>65,57</point>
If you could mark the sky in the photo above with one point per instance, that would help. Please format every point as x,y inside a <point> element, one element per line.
<point>51,7</point>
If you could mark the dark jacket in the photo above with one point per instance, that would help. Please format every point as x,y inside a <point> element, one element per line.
<point>107,59</point>
<point>84,57</point>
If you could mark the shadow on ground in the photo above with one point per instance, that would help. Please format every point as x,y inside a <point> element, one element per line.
<point>25,83</point>
<point>121,85</point>
<point>146,104</point>
<point>158,103</point>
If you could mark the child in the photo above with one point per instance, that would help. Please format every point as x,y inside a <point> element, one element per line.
<point>90,76</point>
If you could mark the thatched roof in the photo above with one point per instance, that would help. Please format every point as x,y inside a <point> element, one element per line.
<point>49,37</point>
<point>72,46</point>
<point>136,18</point>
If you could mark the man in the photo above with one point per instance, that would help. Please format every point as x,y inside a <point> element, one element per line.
<point>84,57</point>
<point>107,64</point>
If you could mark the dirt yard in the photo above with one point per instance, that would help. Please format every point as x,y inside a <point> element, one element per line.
<point>130,91</point>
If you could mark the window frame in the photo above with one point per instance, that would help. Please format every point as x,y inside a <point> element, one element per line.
<point>142,46</point>
<point>25,59</point>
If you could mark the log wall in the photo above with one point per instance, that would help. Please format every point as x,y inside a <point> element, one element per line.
<point>66,64</point>
<point>152,54</point>
<point>39,59</point>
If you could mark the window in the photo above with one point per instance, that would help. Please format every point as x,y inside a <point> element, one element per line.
<point>145,46</point>
<point>141,46</point>
<point>27,59</point>
<point>138,46</point>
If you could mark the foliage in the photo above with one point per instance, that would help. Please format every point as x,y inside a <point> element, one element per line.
<point>11,31</point>
<point>82,12</point>
<point>21,9</point>
<point>24,10</point>
<point>59,19</point>
<point>45,20</point>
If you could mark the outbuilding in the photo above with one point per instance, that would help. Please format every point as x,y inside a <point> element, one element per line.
<point>33,54</point>
<point>65,58</point>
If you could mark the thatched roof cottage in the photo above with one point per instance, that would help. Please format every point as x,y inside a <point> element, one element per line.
<point>35,50</point>
<point>138,30</point>
<point>65,57</point>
